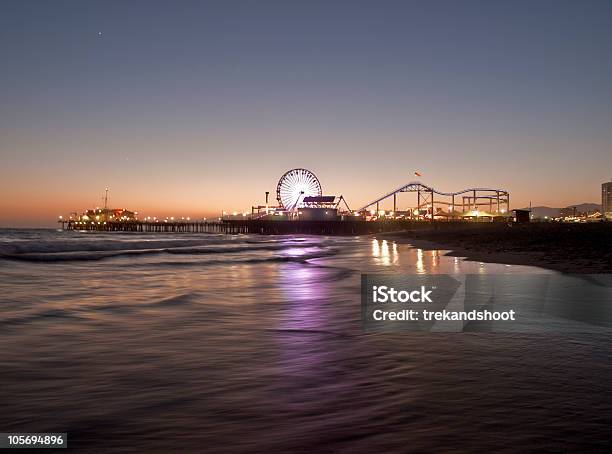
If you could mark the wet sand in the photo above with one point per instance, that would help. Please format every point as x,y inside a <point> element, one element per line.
<point>569,248</point>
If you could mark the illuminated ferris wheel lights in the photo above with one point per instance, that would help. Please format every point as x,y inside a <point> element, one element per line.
<point>294,186</point>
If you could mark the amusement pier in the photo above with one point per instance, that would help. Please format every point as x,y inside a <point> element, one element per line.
<point>301,207</point>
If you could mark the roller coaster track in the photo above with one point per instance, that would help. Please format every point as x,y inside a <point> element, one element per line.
<point>501,195</point>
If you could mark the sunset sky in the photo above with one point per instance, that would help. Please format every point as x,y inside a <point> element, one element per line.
<point>189,108</point>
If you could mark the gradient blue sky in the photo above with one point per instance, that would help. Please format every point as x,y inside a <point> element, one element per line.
<point>191,107</point>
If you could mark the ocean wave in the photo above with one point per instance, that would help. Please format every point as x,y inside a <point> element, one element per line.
<point>45,315</point>
<point>238,261</point>
<point>77,244</point>
<point>93,254</point>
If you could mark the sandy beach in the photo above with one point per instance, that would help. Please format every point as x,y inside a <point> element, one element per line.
<point>569,248</point>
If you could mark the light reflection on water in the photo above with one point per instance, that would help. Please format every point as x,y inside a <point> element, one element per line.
<point>385,252</point>
<point>419,262</point>
<point>389,255</point>
<point>202,349</point>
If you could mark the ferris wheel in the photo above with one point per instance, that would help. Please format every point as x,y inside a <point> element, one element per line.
<point>294,185</point>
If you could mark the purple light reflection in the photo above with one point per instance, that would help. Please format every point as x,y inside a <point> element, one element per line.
<point>296,252</point>
<point>306,315</point>
<point>305,291</point>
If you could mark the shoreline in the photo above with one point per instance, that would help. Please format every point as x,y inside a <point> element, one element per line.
<point>567,248</point>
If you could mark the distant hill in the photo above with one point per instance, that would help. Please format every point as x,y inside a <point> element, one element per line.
<point>542,211</point>
<point>588,207</point>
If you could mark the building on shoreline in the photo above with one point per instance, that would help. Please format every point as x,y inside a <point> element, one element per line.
<point>108,214</point>
<point>606,200</point>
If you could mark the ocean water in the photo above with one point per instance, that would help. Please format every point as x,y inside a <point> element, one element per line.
<point>217,343</point>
